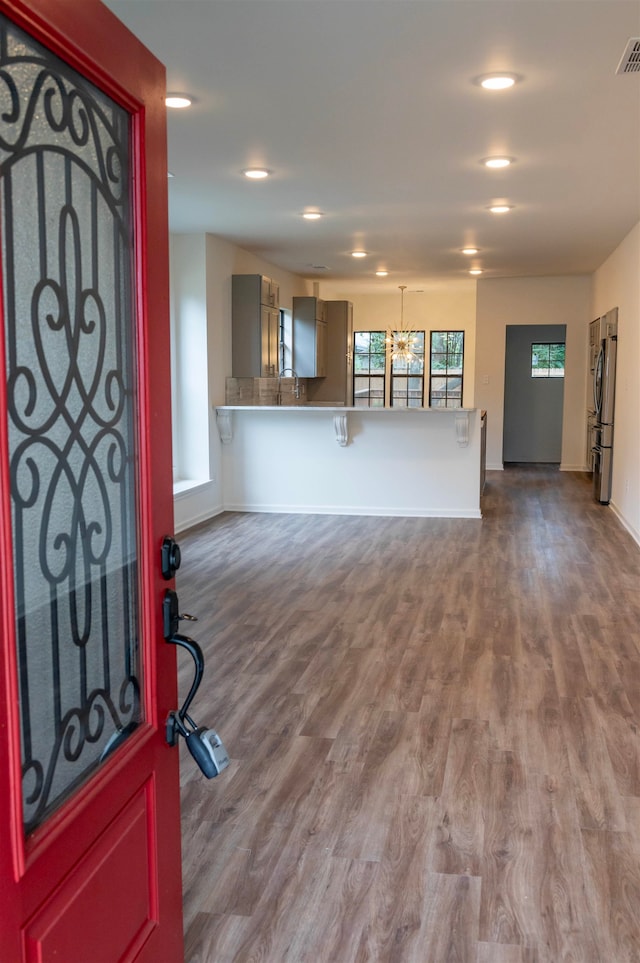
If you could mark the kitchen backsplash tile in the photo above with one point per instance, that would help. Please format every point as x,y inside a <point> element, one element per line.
<point>265,391</point>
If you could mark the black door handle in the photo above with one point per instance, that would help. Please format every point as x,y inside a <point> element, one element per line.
<point>170,621</point>
<point>204,744</point>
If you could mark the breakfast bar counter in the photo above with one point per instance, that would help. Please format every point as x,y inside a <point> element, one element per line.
<point>355,461</point>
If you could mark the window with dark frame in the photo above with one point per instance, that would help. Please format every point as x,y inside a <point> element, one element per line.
<point>407,377</point>
<point>547,359</point>
<point>446,369</point>
<point>369,364</point>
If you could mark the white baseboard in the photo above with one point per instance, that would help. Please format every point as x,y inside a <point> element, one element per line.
<point>497,467</point>
<point>188,523</point>
<point>582,468</point>
<point>635,535</point>
<point>355,510</point>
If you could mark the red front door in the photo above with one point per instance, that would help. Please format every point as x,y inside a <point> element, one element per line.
<point>89,801</point>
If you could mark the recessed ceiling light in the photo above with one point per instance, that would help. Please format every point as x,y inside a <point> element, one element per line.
<point>382,274</point>
<point>358,254</point>
<point>256,173</point>
<point>501,208</point>
<point>475,271</point>
<point>497,162</point>
<point>311,215</point>
<point>177,101</point>
<point>469,250</point>
<point>497,81</point>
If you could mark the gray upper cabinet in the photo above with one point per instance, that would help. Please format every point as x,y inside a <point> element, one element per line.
<point>269,291</point>
<point>255,326</point>
<point>309,337</point>
<point>337,385</point>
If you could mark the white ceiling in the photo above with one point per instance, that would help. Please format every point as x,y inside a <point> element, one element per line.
<point>367,110</point>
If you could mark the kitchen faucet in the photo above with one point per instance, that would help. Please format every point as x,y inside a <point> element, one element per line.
<point>296,387</point>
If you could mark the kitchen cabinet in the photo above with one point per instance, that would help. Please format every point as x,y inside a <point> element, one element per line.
<point>337,385</point>
<point>269,291</point>
<point>255,326</point>
<point>309,337</point>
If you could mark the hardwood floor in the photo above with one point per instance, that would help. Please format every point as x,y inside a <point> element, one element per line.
<point>434,734</point>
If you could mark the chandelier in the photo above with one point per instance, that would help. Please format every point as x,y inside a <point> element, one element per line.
<point>402,342</point>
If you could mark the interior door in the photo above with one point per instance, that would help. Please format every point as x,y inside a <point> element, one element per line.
<point>533,406</point>
<point>89,794</point>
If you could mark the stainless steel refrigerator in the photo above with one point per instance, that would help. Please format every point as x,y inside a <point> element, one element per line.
<point>604,390</point>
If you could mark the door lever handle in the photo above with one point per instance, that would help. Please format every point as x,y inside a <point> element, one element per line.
<point>195,652</point>
<point>204,744</point>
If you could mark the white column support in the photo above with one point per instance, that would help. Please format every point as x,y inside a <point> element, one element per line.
<point>462,429</point>
<point>224,421</point>
<point>341,427</point>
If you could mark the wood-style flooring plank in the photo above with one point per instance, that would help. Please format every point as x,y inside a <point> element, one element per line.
<point>316,913</point>
<point>567,928</point>
<point>395,925</point>
<point>613,876</point>
<point>507,910</point>
<point>365,822</point>
<point>597,798</point>
<point>456,899</point>
<point>457,846</point>
<point>505,953</point>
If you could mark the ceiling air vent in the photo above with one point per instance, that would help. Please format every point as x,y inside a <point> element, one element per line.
<point>630,60</point>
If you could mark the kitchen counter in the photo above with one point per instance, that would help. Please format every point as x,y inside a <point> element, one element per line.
<point>342,460</point>
<point>323,405</point>
<point>342,415</point>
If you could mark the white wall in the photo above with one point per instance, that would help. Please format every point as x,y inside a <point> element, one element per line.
<point>201,270</point>
<point>552,300</point>
<point>189,359</point>
<point>440,307</point>
<point>617,284</point>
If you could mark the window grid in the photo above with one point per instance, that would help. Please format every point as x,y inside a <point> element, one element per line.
<point>407,378</point>
<point>446,369</point>
<point>369,369</point>
<point>547,359</point>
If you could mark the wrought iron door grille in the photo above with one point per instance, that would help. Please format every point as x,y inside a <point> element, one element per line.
<point>68,301</point>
